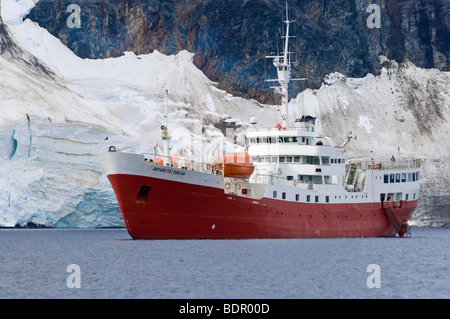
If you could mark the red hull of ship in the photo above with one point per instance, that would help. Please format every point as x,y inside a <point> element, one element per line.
<point>175,210</point>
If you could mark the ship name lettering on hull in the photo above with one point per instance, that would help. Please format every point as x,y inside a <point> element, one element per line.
<point>168,171</point>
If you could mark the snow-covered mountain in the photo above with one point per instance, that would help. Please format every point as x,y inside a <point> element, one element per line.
<point>58,111</point>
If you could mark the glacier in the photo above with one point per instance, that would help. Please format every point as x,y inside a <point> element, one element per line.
<point>55,120</point>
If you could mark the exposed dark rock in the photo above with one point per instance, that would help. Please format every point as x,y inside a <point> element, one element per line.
<point>12,52</point>
<point>230,38</point>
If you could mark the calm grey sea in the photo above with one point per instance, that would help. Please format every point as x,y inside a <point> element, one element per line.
<point>109,264</point>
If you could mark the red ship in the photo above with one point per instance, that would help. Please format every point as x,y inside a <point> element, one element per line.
<point>289,182</point>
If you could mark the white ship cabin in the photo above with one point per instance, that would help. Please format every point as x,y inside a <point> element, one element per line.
<point>300,165</point>
<point>294,157</point>
<point>292,162</point>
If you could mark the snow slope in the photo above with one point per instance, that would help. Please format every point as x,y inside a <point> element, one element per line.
<point>51,130</point>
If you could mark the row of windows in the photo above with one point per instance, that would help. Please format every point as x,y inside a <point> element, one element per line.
<point>383,197</point>
<point>316,197</point>
<point>298,159</point>
<point>279,139</point>
<point>394,196</point>
<point>401,177</point>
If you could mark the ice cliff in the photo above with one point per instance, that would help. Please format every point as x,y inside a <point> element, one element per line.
<point>58,111</point>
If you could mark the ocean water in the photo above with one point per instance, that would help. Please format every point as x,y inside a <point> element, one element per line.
<point>35,263</point>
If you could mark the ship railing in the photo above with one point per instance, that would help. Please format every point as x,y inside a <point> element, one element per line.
<point>193,165</point>
<point>384,165</point>
<point>270,179</point>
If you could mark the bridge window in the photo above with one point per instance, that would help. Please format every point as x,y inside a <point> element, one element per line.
<point>316,179</point>
<point>265,139</point>
<point>386,178</point>
<point>403,177</point>
<point>391,178</point>
<point>287,139</point>
<point>397,178</point>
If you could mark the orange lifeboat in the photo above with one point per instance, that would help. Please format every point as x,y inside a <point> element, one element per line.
<point>178,160</point>
<point>238,165</point>
<point>158,160</point>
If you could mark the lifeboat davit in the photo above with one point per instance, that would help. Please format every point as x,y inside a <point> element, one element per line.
<point>239,165</point>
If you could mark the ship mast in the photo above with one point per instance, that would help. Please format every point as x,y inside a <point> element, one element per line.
<point>165,134</point>
<point>283,65</point>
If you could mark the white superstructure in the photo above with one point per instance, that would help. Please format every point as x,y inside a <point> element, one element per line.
<point>298,164</point>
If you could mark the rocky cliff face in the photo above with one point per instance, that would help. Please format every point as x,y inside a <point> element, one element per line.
<point>230,38</point>
<point>10,51</point>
